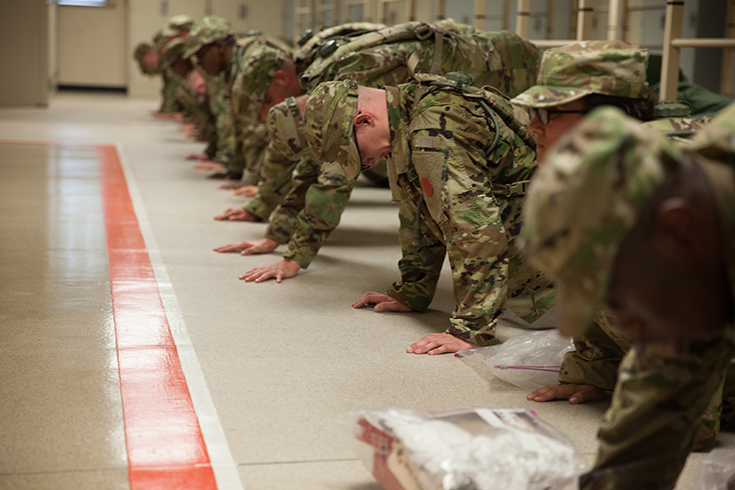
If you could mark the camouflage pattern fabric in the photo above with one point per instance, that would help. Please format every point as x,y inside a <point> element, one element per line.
<point>169,102</point>
<point>286,148</point>
<point>176,25</point>
<point>610,166</point>
<point>219,106</point>
<point>195,108</point>
<point>255,61</point>
<point>599,351</point>
<point>579,69</point>
<point>498,59</point>
<point>439,165</point>
<point>581,258</point>
<point>329,39</point>
<point>172,51</point>
<point>206,31</point>
<point>376,59</point>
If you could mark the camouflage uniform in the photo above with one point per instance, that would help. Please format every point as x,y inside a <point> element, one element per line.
<point>610,166</point>
<point>571,73</point>
<point>219,106</point>
<point>459,187</point>
<point>177,26</point>
<point>383,57</point>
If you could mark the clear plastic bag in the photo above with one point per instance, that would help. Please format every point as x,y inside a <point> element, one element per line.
<point>528,360</point>
<point>718,470</point>
<point>478,449</point>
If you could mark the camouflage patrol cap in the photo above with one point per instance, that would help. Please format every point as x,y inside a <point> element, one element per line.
<point>579,69</point>
<point>176,26</point>
<point>206,31</point>
<point>585,199</point>
<point>286,129</point>
<point>172,51</point>
<point>329,118</point>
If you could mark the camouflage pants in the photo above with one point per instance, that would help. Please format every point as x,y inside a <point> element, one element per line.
<point>661,404</point>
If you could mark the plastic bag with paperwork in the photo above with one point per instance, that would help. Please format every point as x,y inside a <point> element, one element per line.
<point>528,360</point>
<point>479,449</point>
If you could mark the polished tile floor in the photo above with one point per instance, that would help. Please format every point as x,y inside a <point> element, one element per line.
<point>268,367</point>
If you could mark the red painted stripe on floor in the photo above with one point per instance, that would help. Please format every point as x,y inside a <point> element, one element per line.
<point>165,445</point>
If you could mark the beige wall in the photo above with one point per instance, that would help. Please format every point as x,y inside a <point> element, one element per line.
<point>266,16</point>
<point>91,46</point>
<point>24,55</point>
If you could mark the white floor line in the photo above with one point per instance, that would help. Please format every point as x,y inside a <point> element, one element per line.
<point>224,466</point>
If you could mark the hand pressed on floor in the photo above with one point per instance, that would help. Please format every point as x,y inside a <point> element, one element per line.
<point>250,247</point>
<point>280,270</point>
<point>382,302</point>
<point>237,214</point>
<point>574,393</point>
<point>439,343</point>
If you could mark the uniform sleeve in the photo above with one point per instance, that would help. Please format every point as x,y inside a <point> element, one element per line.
<point>220,107</point>
<point>253,144</point>
<point>169,103</point>
<point>656,411</point>
<point>596,356</point>
<point>467,213</point>
<point>274,183</point>
<point>323,206</point>
<point>285,218</point>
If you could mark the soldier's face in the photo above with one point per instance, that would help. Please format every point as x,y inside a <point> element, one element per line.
<point>210,58</point>
<point>151,59</point>
<point>372,137</point>
<point>668,284</point>
<point>182,67</point>
<point>558,125</point>
<point>284,85</point>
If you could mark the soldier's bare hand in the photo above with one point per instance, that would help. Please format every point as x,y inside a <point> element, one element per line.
<point>574,393</point>
<point>382,302</point>
<point>197,156</point>
<point>209,165</point>
<point>439,343</point>
<point>247,190</point>
<point>237,214</point>
<point>231,187</point>
<point>250,247</point>
<point>280,270</point>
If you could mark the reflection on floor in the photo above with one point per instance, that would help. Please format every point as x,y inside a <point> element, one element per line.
<point>269,366</point>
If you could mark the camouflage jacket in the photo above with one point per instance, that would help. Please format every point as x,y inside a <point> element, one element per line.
<point>195,107</point>
<point>493,58</point>
<point>219,106</point>
<point>169,103</point>
<point>444,164</point>
<point>251,137</point>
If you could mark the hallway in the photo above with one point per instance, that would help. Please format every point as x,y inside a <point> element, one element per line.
<point>95,402</point>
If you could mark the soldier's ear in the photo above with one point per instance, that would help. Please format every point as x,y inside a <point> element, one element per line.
<point>361,118</point>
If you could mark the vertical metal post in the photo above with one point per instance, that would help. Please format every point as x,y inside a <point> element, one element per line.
<point>549,19</point>
<point>441,9</point>
<point>523,19</point>
<point>411,10</point>
<point>670,61</point>
<point>727,53</point>
<point>585,13</point>
<point>613,21</point>
<point>480,14</point>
